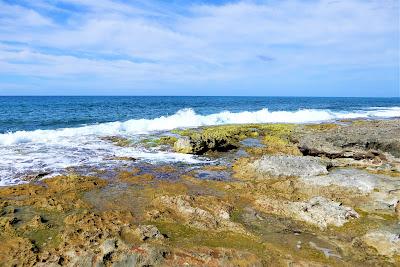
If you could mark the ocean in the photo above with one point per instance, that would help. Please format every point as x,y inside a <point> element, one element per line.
<point>47,135</point>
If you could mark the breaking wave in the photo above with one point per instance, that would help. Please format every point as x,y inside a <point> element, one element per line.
<point>188,118</point>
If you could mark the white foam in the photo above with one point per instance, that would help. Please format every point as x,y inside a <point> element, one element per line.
<point>188,118</point>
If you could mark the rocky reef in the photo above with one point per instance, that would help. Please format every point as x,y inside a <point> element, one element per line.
<point>273,195</point>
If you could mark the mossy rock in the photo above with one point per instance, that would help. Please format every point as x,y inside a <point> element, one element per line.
<point>118,141</point>
<point>322,127</point>
<point>280,145</point>
<point>163,140</point>
<point>213,138</point>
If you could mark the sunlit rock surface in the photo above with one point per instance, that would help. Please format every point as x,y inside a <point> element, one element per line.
<point>283,201</point>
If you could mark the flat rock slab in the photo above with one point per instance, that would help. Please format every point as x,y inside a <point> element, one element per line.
<point>385,242</point>
<point>284,166</point>
<point>354,141</point>
<point>361,181</point>
<point>318,211</point>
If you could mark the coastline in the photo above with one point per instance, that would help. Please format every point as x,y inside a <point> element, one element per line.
<point>273,194</point>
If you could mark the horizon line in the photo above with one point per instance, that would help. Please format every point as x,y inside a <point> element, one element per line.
<point>199,96</point>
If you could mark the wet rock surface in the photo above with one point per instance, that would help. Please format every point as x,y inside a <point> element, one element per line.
<point>335,205</point>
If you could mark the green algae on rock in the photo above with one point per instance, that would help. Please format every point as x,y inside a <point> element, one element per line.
<point>118,140</point>
<point>228,137</point>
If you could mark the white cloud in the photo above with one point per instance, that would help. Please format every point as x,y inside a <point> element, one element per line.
<point>14,15</point>
<point>199,42</point>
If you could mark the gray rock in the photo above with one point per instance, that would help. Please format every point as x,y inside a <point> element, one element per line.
<point>385,242</point>
<point>108,246</point>
<point>318,211</point>
<point>148,232</point>
<point>323,212</point>
<point>366,140</point>
<point>197,212</point>
<point>348,178</point>
<point>382,191</point>
<point>288,166</point>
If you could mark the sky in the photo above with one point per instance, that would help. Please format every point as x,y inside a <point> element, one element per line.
<point>181,47</point>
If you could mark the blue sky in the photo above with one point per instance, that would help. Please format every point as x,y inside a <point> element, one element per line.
<point>155,47</point>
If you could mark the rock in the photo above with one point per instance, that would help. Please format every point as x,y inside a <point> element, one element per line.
<point>200,212</point>
<point>204,143</point>
<point>148,232</point>
<point>317,211</point>
<point>124,158</point>
<point>132,178</point>
<point>323,212</point>
<point>385,242</point>
<point>381,201</point>
<point>108,246</point>
<point>358,180</point>
<point>284,166</point>
<point>203,256</point>
<point>329,253</point>
<point>118,140</point>
<point>371,192</point>
<point>17,251</point>
<point>36,222</point>
<point>8,210</point>
<point>198,217</point>
<point>212,139</point>
<point>183,145</point>
<point>114,252</point>
<point>147,255</point>
<point>36,177</point>
<point>236,222</point>
<point>357,140</point>
<point>7,223</point>
<point>90,229</point>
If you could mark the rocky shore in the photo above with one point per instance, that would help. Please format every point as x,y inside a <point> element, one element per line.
<point>272,195</point>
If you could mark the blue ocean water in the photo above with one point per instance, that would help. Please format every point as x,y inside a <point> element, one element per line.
<point>32,113</point>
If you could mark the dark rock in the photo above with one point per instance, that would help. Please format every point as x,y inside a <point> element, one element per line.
<point>357,141</point>
<point>201,144</point>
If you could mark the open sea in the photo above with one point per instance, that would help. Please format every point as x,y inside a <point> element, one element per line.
<point>47,135</point>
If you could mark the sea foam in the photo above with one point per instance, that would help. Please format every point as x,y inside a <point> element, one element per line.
<point>187,118</point>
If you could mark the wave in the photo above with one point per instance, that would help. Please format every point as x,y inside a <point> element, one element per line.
<point>187,118</point>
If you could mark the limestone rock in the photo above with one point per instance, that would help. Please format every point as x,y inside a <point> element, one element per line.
<point>203,256</point>
<point>357,140</point>
<point>183,145</point>
<point>37,222</point>
<point>375,192</point>
<point>7,223</point>
<point>349,178</point>
<point>385,242</point>
<point>284,166</point>
<point>200,212</point>
<point>148,232</point>
<point>209,140</point>
<point>318,211</point>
